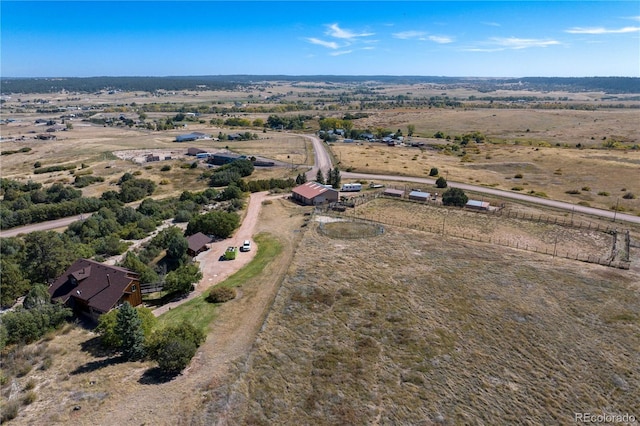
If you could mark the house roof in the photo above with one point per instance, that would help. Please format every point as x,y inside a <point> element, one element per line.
<point>99,286</point>
<point>311,190</point>
<point>394,191</point>
<point>197,241</point>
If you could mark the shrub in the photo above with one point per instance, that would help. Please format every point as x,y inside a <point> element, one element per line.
<point>518,176</point>
<point>9,411</point>
<point>433,171</point>
<point>441,182</point>
<point>603,193</point>
<point>221,295</point>
<point>629,196</point>
<point>586,188</point>
<point>573,191</point>
<point>165,168</point>
<point>174,346</point>
<point>29,398</point>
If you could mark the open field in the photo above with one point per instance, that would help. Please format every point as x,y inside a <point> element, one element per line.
<point>401,327</point>
<point>96,146</point>
<point>410,328</point>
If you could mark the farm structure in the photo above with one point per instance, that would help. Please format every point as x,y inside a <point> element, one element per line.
<point>91,288</point>
<point>419,196</point>
<point>197,244</point>
<point>313,193</point>
<point>390,192</point>
<point>351,187</point>
<point>221,159</point>
<point>477,205</point>
<point>192,137</point>
<point>195,151</point>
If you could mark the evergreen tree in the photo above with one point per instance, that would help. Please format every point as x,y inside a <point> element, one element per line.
<point>334,177</point>
<point>129,328</point>
<point>320,177</point>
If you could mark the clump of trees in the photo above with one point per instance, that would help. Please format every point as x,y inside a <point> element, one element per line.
<point>454,197</point>
<point>133,332</point>
<point>229,173</point>
<point>217,223</point>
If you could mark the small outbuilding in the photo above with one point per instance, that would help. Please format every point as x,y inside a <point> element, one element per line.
<point>390,192</point>
<point>477,205</point>
<point>419,196</point>
<point>197,244</point>
<point>313,193</point>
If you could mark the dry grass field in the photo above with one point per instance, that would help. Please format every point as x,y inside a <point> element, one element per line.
<point>399,327</point>
<point>410,328</point>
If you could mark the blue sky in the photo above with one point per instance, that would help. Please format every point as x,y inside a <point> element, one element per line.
<point>430,38</point>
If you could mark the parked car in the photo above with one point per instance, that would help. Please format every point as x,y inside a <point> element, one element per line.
<point>246,246</point>
<point>231,253</point>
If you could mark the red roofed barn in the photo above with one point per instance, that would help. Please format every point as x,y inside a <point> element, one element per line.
<point>92,288</point>
<point>312,193</point>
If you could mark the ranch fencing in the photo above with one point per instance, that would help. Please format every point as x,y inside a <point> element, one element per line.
<point>615,260</point>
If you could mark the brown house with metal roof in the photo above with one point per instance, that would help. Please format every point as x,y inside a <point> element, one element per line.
<point>92,288</point>
<point>313,193</point>
<point>197,244</point>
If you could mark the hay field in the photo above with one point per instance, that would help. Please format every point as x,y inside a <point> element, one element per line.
<point>410,328</point>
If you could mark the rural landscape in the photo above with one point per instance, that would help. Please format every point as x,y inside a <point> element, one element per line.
<point>339,250</point>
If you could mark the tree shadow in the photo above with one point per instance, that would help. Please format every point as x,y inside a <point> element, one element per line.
<point>155,376</point>
<point>94,347</point>
<point>99,364</point>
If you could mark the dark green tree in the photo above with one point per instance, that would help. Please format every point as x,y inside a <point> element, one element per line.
<point>37,296</point>
<point>454,197</point>
<point>174,346</point>
<point>320,177</point>
<point>129,328</point>
<point>433,171</point>
<point>441,182</point>
<point>181,280</point>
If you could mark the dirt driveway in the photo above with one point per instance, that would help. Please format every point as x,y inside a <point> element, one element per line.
<point>213,269</point>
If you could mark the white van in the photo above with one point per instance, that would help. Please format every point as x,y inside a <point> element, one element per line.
<point>246,246</point>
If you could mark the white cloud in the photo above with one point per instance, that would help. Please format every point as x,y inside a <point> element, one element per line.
<point>327,44</point>
<point>404,35</point>
<point>602,30</point>
<point>441,39</point>
<point>522,43</point>
<point>337,32</point>
<point>341,52</point>
<point>491,24</point>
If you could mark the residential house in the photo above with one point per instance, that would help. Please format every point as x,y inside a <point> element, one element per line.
<point>91,288</point>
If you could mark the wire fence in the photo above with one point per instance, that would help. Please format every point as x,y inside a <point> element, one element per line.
<point>619,257</point>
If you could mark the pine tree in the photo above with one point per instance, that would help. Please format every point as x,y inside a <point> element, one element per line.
<point>129,328</point>
<point>320,177</point>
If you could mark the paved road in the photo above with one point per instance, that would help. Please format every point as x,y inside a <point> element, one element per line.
<point>43,226</point>
<point>504,194</point>
<point>322,159</point>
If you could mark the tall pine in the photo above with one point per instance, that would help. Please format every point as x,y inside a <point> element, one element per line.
<point>129,328</point>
